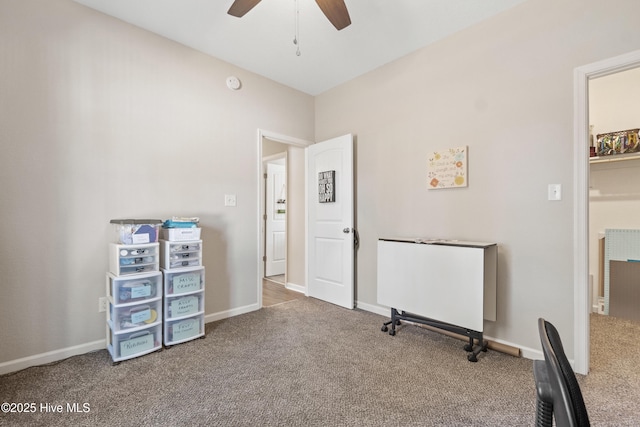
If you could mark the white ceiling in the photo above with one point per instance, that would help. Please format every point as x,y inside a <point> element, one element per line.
<point>262,41</point>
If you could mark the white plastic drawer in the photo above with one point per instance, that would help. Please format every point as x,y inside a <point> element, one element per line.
<point>134,316</point>
<point>128,345</point>
<point>184,281</point>
<point>134,289</point>
<point>182,330</point>
<point>183,306</point>
<point>192,262</point>
<point>180,254</point>
<point>133,259</point>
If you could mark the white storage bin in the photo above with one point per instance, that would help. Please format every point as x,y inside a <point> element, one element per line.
<point>127,345</point>
<point>137,316</point>
<point>136,231</point>
<point>183,306</point>
<point>180,254</point>
<point>134,289</point>
<point>181,234</point>
<point>184,281</point>
<point>178,331</point>
<point>133,259</point>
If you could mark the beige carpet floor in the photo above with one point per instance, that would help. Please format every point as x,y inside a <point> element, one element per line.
<point>309,363</point>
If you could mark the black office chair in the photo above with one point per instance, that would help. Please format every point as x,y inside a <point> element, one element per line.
<point>558,392</point>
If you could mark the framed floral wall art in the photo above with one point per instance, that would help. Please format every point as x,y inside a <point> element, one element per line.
<point>447,168</point>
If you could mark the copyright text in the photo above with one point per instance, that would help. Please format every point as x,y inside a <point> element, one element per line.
<point>45,407</point>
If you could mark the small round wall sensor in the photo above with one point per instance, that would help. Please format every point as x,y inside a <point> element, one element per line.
<point>233,83</point>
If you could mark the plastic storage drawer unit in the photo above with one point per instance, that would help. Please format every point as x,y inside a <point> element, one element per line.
<point>128,345</point>
<point>137,316</point>
<point>133,259</point>
<point>180,254</point>
<point>183,281</point>
<point>183,306</point>
<point>134,289</point>
<point>178,331</point>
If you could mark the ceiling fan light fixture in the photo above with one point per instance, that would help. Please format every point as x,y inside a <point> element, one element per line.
<point>335,10</point>
<point>296,36</point>
<point>240,7</point>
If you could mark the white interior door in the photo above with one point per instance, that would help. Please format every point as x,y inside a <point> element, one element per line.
<point>276,236</point>
<point>330,221</point>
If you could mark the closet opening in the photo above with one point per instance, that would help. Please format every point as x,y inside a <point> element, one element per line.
<point>584,243</point>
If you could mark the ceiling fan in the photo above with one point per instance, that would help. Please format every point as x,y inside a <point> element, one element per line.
<point>335,11</point>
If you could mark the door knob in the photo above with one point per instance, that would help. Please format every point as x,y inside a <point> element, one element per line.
<point>346,230</point>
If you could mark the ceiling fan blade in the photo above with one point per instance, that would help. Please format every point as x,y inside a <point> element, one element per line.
<point>240,7</point>
<point>336,12</point>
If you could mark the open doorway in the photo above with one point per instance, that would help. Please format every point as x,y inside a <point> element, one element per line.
<point>281,217</point>
<point>614,201</point>
<point>275,216</point>
<point>614,205</point>
<point>582,291</point>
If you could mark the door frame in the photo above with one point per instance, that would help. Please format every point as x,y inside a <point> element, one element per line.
<point>284,139</point>
<point>581,306</point>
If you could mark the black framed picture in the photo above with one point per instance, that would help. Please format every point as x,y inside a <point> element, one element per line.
<point>326,187</point>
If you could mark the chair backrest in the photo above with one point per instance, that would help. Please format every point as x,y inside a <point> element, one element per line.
<point>568,405</point>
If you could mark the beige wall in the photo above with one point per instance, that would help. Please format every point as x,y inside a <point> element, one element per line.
<point>296,225</point>
<point>102,120</point>
<point>504,88</point>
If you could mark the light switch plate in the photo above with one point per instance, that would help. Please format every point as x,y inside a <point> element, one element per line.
<point>229,199</point>
<point>555,191</point>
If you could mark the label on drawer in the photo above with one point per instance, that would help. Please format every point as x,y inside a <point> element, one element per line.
<point>186,329</point>
<point>140,291</point>
<point>140,316</point>
<point>136,345</point>
<point>184,306</point>
<point>186,283</point>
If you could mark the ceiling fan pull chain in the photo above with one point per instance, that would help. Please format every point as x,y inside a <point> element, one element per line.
<point>296,37</point>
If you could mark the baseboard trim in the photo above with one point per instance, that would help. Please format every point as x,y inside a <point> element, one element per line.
<point>533,354</point>
<point>50,356</point>
<point>230,313</point>
<point>296,288</point>
<point>377,309</point>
